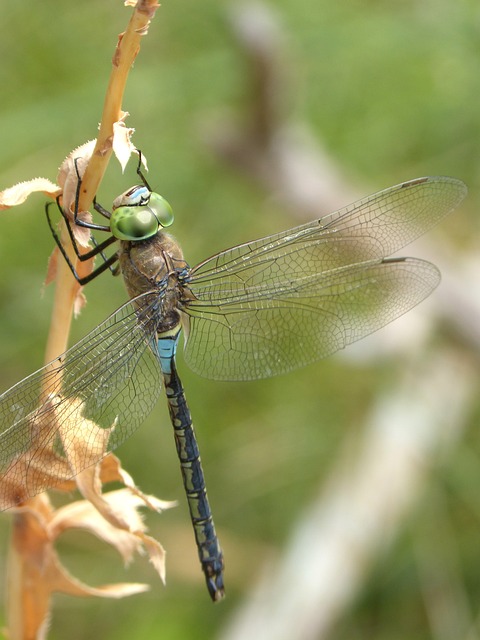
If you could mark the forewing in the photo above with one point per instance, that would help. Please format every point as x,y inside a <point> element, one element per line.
<point>372,228</point>
<point>90,400</point>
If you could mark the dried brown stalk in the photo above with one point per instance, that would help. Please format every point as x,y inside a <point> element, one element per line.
<point>126,51</point>
<point>35,571</point>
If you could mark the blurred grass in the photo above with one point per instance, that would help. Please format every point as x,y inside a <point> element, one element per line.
<point>392,90</point>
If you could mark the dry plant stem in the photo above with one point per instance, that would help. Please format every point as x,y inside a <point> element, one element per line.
<point>124,56</point>
<point>20,613</point>
<point>66,291</point>
<point>27,602</point>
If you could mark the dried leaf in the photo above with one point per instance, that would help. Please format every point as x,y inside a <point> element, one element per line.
<point>126,540</point>
<point>17,194</point>
<point>119,590</point>
<point>113,516</point>
<point>34,536</point>
<point>156,554</point>
<point>71,168</point>
<point>38,466</point>
<point>82,154</point>
<point>122,145</point>
<point>112,471</point>
<point>83,441</point>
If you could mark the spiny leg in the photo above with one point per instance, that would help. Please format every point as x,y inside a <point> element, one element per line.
<point>140,172</point>
<point>97,250</point>
<point>98,207</point>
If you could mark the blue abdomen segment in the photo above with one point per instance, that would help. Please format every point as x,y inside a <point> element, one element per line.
<point>167,348</point>
<point>209,551</point>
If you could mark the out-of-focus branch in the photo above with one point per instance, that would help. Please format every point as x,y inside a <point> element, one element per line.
<point>362,508</point>
<point>372,490</point>
<point>282,156</point>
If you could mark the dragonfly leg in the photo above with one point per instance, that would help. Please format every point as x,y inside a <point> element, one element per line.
<point>140,172</point>
<point>209,551</point>
<point>99,247</point>
<point>97,250</point>
<point>98,207</point>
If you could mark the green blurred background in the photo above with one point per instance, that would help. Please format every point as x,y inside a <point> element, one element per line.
<point>392,91</point>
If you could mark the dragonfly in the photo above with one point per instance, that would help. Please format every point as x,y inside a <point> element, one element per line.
<point>258,309</point>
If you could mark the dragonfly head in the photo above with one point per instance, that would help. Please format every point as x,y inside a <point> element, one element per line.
<point>139,213</point>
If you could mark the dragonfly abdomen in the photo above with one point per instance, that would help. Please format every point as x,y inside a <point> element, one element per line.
<point>209,551</point>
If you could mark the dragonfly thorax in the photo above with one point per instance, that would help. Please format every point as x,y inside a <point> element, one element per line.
<point>153,265</point>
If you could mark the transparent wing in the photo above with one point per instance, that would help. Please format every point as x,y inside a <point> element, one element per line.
<point>280,302</point>
<point>262,337</point>
<point>69,414</point>
<point>372,228</point>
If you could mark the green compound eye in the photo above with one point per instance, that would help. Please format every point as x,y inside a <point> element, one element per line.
<point>138,214</point>
<point>133,223</point>
<point>161,209</point>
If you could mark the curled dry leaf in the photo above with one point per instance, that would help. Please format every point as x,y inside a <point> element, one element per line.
<point>122,144</point>
<point>117,511</point>
<point>36,572</point>
<point>63,449</point>
<point>17,194</point>
<point>75,165</point>
<point>71,168</point>
<point>112,516</point>
<point>38,465</point>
